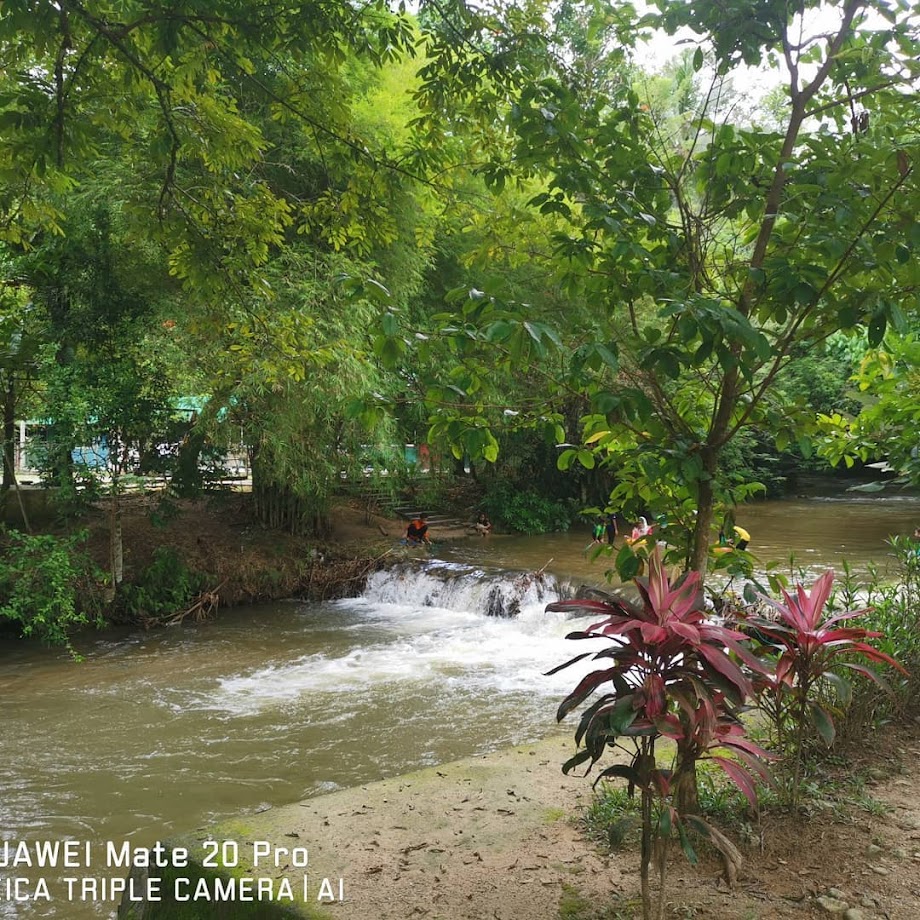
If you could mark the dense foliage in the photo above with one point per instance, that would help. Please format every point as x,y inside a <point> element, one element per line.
<point>47,585</point>
<point>498,229</point>
<point>716,251</point>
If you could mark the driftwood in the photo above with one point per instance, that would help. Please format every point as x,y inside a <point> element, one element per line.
<point>202,608</point>
<point>329,580</point>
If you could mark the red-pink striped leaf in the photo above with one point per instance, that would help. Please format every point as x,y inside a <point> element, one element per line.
<point>740,777</point>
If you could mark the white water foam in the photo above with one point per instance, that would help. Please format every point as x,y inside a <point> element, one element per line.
<point>423,628</point>
<point>456,587</point>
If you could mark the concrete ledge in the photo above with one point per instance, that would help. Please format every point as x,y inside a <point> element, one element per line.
<point>487,836</point>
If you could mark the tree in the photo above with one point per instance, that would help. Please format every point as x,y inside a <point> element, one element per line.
<point>170,89</point>
<point>288,356</point>
<point>247,143</point>
<point>294,379</point>
<point>721,250</point>
<point>19,350</point>
<point>885,427</point>
<point>103,381</point>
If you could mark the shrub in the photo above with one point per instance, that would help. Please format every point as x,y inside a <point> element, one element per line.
<point>894,615</point>
<point>48,585</point>
<point>166,587</point>
<point>813,652</point>
<point>668,673</point>
<point>526,511</point>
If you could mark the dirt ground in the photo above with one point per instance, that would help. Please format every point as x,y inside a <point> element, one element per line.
<point>498,837</point>
<point>503,842</point>
<point>222,525</point>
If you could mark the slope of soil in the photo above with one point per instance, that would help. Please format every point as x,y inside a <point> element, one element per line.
<point>245,563</point>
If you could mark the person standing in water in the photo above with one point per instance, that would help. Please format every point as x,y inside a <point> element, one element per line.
<point>738,538</point>
<point>612,529</point>
<point>597,532</point>
<point>743,537</point>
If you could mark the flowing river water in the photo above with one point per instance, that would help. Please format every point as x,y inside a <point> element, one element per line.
<point>159,733</point>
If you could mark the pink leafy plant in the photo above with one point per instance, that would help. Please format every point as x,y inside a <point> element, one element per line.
<point>811,649</point>
<point>667,671</point>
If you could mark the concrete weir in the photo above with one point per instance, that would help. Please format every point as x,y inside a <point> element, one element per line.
<point>481,837</point>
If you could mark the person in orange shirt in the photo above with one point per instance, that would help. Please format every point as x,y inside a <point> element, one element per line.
<point>417,531</point>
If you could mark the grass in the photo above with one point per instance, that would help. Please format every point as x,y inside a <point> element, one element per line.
<point>612,820</point>
<point>573,905</point>
<point>613,817</point>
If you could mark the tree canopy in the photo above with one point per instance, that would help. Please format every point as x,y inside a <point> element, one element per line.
<point>496,218</point>
<point>714,248</point>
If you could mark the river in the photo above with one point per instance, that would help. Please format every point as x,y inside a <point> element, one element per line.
<point>157,733</point>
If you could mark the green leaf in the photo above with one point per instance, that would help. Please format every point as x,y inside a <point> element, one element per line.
<point>498,331</point>
<point>622,716</point>
<point>375,291</point>
<point>627,564</point>
<point>664,822</point>
<point>686,845</point>
<point>576,760</point>
<point>841,685</point>
<point>606,402</point>
<point>822,721</point>
<point>390,324</point>
<point>877,486</point>
<point>621,771</point>
<point>877,329</point>
<point>608,356</point>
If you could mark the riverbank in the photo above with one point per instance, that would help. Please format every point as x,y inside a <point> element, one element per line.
<point>251,710</point>
<point>499,836</point>
<point>239,562</point>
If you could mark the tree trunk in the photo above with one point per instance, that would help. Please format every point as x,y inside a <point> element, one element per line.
<point>278,507</point>
<point>686,787</point>
<point>705,506</point>
<point>22,506</point>
<point>9,433</point>
<point>116,543</point>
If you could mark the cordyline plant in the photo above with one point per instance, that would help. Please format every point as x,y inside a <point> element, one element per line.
<point>669,673</point>
<point>809,646</point>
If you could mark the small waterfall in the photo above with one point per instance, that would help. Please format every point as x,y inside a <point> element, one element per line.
<point>459,587</point>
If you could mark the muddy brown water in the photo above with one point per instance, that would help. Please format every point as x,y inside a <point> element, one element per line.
<point>815,533</point>
<point>163,732</point>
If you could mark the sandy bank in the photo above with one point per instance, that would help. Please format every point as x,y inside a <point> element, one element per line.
<point>485,837</point>
<point>488,836</point>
